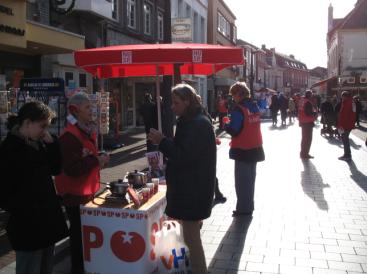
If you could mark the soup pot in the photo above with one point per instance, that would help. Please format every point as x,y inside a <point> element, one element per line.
<point>118,188</point>
<point>137,179</point>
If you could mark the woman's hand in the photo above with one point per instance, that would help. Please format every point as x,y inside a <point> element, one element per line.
<point>103,159</point>
<point>155,136</point>
<point>47,138</point>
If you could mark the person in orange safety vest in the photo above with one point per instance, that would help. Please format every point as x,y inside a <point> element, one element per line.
<point>246,146</point>
<point>306,115</point>
<point>81,163</point>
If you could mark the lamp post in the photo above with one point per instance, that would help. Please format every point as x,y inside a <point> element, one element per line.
<point>252,52</point>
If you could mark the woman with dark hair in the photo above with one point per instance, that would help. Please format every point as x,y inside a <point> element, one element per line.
<point>191,167</point>
<point>29,158</point>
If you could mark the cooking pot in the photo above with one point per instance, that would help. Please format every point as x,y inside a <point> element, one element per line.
<point>118,188</point>
<point>137,179</point>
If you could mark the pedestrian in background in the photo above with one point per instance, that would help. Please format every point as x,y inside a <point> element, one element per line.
<point>358,104</point>
<point>327,117</point>
<point>30,156</point>
<point>283,106</point>
<point>306,116</point>
<point>218,195</point>
<point>222,109</point>
<point>191,169</point>
<point>246,146</point>
<point>81,164</point>
<point>274,108</point>
<point>148,110</point>
<point>291,109</point>
<point>346,122</point>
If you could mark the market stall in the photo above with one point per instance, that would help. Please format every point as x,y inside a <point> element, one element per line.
<point>122,238</point>
<point>119,237</point>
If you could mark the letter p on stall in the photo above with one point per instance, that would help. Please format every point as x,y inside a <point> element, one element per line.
<point>90,241</point>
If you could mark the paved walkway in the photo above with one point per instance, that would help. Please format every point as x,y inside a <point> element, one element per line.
<point>310,217</point>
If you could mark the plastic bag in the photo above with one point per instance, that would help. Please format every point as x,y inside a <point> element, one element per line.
<point>171,250</point>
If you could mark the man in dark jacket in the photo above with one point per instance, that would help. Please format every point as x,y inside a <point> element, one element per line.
<point>246,146</point>
<point>191,169</point>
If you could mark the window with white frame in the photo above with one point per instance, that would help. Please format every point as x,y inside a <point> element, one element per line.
<point>147,18</point>
<point>228,30</point>
<point>234,38</point>
<point>160,25</point>
<point>114,9</point>
<point>82,80</point>
<point>188,11</point>
<point>69,77</point>
<point>223,25</point>
<point>131,13</point>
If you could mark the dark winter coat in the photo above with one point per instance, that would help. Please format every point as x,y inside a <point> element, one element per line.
<point>191,169</point>
<point>27,192</point>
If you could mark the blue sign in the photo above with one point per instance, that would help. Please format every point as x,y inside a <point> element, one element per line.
<point>50,86</point>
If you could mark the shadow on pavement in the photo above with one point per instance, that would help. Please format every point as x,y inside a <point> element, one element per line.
<point>127,155</point>
<point>335,141</point>
<point>232,243</point>
<point>353,144</point>
<point>362,128</point>
<point>358,176</point>
<point>313,185</point>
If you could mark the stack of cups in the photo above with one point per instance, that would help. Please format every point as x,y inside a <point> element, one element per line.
<point>155,182</point>
<point>151,188</point>
<point>146,194</point>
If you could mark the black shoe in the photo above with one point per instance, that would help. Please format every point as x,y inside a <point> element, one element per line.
<point>220,199</point>
<point>345,158</point>
<point>306,156</point>
<point>236,213</point>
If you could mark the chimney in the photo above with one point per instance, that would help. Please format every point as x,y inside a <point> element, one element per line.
<point>330,17</point>
<point>263,47</point>
<point>291,56</point>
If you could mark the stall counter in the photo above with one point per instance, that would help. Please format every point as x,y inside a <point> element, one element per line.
<point>118,238</point>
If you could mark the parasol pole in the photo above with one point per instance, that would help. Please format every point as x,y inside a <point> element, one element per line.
<point>158,92</point>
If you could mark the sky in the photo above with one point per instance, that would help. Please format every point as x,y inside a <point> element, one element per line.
<point>295,27</point>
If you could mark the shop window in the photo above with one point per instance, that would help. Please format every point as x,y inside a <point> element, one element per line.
<point>69,76</point>
<point>82,80</point>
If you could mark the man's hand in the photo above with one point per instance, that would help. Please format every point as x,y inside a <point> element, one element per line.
<point>155,136</point>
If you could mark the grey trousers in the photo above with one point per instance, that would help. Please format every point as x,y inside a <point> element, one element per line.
<point>245,175</point>
<point>35,262</point>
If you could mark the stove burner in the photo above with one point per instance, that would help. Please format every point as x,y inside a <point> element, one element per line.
<point>116,198</point>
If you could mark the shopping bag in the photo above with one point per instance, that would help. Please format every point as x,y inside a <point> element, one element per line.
<point>171,251</point>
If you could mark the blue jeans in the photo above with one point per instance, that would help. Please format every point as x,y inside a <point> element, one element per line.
<point>245,176</point>
<point>346,144</point>
<point>35,262</point>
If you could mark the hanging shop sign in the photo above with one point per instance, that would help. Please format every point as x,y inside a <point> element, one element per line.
<point>181,29</point>
<point>51,86</point>
<point>13,23</point>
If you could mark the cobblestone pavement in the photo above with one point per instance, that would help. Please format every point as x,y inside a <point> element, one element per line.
<point>310,216</point>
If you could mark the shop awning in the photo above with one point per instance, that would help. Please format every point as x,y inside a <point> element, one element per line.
<point>42,39</point>
<point>323,82</point>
